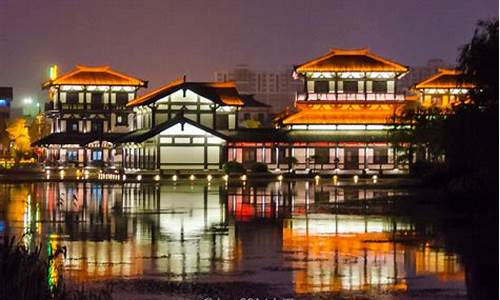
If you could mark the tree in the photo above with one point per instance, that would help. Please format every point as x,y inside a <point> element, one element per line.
<point>19,137</point>
<point>418,132</point>
<point>471,133</point>
<point>39,127</point>
<point>467,135</point>
<point>478,60</point>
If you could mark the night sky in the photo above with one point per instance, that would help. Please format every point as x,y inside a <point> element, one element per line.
<point>160,40</point>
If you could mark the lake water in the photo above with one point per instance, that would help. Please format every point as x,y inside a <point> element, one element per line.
<point>297,237</point>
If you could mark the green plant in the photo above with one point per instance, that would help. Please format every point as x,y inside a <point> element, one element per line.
<point>259,168</point>
<point>233,167</point>
<point>291,161</point>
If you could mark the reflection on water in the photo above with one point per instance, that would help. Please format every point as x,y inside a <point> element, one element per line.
<point>283,234</point>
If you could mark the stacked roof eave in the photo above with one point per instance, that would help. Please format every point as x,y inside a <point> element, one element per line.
<point>102,75</point>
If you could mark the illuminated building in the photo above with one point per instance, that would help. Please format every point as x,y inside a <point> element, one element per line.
<point>87,109</point>
<point>419,73</point>
<point>6,96</point>
<point>442,89</point>
<point>183,125</point>
<point>339,123</point>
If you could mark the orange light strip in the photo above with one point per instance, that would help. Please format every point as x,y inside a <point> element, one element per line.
<point>311,66</point>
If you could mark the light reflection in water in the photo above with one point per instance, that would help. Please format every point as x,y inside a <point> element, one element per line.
<point>283,232</point>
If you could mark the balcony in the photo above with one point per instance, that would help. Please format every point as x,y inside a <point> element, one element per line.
<point>349,97</point>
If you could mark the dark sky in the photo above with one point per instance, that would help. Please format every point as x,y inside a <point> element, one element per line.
<point>160,40</point>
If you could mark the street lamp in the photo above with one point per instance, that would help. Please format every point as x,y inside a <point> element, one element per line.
<point>28,103</point>
<point>28,100</point>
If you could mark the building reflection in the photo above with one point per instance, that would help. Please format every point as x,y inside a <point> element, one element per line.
<point>188,231</point>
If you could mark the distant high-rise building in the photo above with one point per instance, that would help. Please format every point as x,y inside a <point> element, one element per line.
<point>277,89</point>
<point>419,73</point>
<point>6,96</point>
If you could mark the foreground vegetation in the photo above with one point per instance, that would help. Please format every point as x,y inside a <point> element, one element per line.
<point>458,148</point>
<point>26,275</point>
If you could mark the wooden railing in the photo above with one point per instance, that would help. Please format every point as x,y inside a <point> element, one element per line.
<point>350,97</point>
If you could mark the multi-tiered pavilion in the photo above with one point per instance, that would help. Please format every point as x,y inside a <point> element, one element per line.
<point>341,120</point>
<point>87,109</point>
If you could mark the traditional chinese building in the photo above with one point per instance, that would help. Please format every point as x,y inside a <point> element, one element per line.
<point>443,89</point>
<point>183,126</point>
<point>88,110</point>
<point>340,122</point>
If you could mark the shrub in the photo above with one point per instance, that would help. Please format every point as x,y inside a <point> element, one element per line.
<point>291,160</point>
<point>259,168</point>
<point>233,167</point>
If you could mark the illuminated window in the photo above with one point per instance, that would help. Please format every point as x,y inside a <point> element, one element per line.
<point>350,87</point>
<point>72,155</point>
<point>321,86</point>
<point>96,154</point>
<point>380,156</point>
<point>379,87</point>
<point>436,99</point>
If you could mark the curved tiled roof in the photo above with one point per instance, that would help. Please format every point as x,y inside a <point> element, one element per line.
<point>103,75</point>
<point>222,93</point>
<point>358,60</point>
<point>444,78</point>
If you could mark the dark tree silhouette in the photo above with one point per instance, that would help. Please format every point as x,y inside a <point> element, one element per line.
<point>478,60</point>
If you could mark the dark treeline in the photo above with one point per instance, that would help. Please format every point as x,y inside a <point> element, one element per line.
<point>457,151</point>
<point>458,148</point>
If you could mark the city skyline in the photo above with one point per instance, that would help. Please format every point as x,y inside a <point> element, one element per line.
<point>156,43</point>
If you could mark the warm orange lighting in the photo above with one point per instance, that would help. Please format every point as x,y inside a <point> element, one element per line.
<point>53,72</point>
<point>444,79</point>
<point>343,114</point>
<point>85,75</point>
<point>358,60</point>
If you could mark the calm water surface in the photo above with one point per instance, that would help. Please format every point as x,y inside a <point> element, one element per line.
<point>299,237</point>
